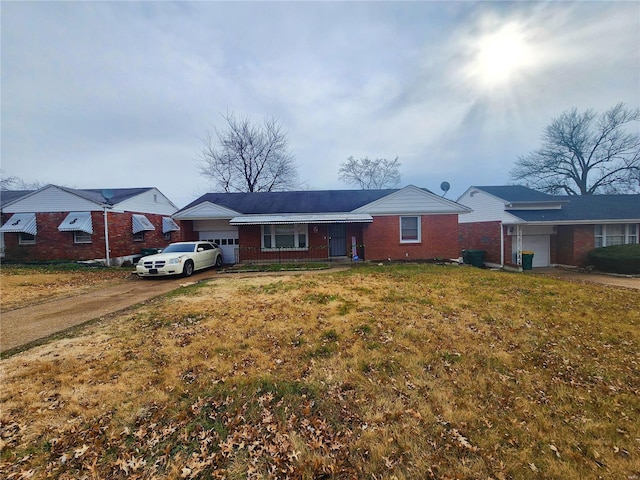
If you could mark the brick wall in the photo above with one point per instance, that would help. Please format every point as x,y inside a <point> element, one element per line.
<point>483,236</point>
<point>439,239</point>
<point>574,242</point>
<point>250,238</point>
<point>52,244</point>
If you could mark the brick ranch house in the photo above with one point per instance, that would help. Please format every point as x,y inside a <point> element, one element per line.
<point>559,229</point>
<point>60,223</point>
<point>399,224</point>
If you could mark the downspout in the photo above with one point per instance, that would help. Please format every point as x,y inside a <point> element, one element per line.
<point>501,245</point>
<point>106,238</point>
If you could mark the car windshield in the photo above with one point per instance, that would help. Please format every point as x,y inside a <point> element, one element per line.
<point>180,247</point>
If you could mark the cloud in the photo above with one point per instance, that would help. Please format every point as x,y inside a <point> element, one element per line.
<point>121,92</point>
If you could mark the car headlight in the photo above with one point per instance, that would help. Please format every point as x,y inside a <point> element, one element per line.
<point>173,261</point>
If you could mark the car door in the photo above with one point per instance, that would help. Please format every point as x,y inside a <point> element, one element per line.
<point>205,255</point>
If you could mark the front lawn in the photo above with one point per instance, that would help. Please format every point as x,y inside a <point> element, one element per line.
<point>24,285</point>
<point>405,371</point>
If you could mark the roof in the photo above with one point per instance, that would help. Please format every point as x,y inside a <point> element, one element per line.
<point>116,195</point>
<point>8,196</point>
<point>308,201</point>
<point>519,194</point>
<point>584,208</point>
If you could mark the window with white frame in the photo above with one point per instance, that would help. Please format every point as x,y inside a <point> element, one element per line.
<point>26,239</point>
<point>410,230</point>
<point>81,237</point>
<point>284,236</point>
<point>615,234</point>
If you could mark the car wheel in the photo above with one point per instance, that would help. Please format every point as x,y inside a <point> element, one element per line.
<point>218,261</point>
<point>187,271</point>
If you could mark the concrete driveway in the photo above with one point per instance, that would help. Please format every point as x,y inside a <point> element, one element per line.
<point>602,279</point>
<point>25,325</point>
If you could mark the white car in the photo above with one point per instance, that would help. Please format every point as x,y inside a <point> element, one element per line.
<point>181,258</point>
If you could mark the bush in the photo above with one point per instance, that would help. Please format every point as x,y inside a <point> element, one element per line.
<point>616,259</point>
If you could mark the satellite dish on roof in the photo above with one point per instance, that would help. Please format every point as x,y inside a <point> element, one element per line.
<point>444,186</point>
<point>108,194</point>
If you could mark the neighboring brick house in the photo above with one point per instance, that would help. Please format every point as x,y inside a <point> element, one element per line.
<point>399,224</point>
<point>559,229</point>
<point>60,223</point>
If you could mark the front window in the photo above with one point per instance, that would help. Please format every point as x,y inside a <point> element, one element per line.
<point>81,237</point>
<point>615,234</point>
<point>284,236</point>
<point>26,239</point>
<point>410,230</point>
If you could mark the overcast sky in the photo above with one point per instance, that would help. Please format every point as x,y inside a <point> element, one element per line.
<point>120,94</point>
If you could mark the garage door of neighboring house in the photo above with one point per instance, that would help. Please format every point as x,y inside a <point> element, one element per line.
<point>228,241</point>
<point>539,244</point>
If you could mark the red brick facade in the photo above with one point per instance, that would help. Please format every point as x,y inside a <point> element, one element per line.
<point>250,238</point>
<point>484,236</point>
<point>573,244</point>
<point>379,240</point>
<point>439,239</point>
<point>569,246</point>
<point>52,244</point>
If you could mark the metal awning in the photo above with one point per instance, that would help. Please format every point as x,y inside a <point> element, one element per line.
<point>168,225</point>
<point>77,222</point>
<point>21,223</point>
<point>285,219</point>
<point>140,223</point>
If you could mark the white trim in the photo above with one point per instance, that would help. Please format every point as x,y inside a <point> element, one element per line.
<point>418,226</point>
<point>299,229</point>
<point>82,242</point>
<point>287,219</point>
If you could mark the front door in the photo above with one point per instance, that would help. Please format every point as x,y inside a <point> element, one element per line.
<point>338,240</point>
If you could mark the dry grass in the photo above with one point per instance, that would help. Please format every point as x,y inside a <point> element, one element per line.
<point>378,372</point>
<point>22,286</point>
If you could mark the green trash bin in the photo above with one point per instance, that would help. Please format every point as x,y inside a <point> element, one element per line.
<point>149,251</point>
<point>527,260</point>
<point>476,257</point>
<point>466,258</point>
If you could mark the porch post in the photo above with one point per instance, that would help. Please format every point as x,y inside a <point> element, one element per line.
<point>519,244</point>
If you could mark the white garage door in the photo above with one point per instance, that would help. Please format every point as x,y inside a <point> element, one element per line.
<point>539,245</point>
<point>228,241</point>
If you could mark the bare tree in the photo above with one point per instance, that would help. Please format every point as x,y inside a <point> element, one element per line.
<point>16,183</point>
<point>248,158</point>
<point>370,174</point>
<point>585,154</point>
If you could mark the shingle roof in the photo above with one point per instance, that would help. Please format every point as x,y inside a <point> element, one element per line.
<point>119,194</point>
<point>309,201</point>
<point>587,208</point>
<point>518,194</point>
<point>91,194</point>
<point>7,196</point>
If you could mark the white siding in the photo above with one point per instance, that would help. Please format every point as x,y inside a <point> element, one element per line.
<point>52,199</point>
<point>151,201</point>
<point>486,208</point>
<point>411,200</point>
<point>207,210</point>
